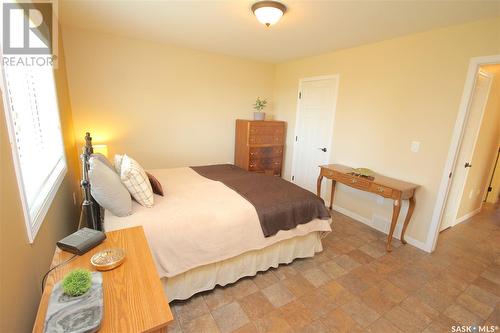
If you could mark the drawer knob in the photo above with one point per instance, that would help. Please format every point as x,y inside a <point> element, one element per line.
<point>354,181</point>
<point>380,189</point>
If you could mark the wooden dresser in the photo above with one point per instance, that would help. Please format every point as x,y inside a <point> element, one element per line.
<point>259,146</point>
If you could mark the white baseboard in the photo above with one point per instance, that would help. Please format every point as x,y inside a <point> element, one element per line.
<point>368,222</point>
<point>468,216</point>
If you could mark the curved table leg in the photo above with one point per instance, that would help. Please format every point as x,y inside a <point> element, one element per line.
<point>333,193</point>
<point>318,186</point>
<point>396,208</point>
<point>411,207</point>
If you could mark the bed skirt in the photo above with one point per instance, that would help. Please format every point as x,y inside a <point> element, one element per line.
<point>221,273</point>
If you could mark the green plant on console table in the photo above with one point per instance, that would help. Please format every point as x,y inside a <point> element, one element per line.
<point>77,282</point>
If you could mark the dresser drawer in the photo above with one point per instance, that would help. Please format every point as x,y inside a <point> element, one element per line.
<point>352,181</point>
<point>265,139</point>
<point>266,133</point>
<point>381,190</point>
<point>261,164</point>
<point>266,127</point>
<point>260,152</point>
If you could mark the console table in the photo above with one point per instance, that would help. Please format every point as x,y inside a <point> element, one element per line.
<point>134,300</point>
<point>394,189</point>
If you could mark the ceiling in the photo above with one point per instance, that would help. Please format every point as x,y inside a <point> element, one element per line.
<point>308,28</point>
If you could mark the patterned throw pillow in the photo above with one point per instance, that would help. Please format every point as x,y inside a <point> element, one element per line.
<point>136,181</point>
<point>118,163</point>
<point>155,184</point>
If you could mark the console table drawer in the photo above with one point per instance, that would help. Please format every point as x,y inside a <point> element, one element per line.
<point>381,190</point>
<point>352,181</point>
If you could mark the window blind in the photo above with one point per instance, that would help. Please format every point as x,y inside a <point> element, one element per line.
<point>36,138</point>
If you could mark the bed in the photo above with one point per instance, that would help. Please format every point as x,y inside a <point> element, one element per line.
<point>204,233</point>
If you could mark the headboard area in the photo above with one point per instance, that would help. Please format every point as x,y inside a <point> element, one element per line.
<point>92,212</point>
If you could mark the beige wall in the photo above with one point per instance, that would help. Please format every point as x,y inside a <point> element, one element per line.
<point>392,93</point>
<point>485,151</point>
<point>165,106</point>
<point>23,264</point>
<point>170,106</point>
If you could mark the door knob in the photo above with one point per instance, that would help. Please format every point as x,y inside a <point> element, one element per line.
<point>322,149</point>
<point>467,165</point>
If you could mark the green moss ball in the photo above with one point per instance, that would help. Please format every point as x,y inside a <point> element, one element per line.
<point>77,282</point>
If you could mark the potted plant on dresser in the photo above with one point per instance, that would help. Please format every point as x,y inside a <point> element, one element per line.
<point>259,105</point>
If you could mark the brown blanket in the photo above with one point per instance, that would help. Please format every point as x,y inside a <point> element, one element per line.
<point>280,204</point>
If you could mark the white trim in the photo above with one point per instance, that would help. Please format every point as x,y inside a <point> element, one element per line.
<point>469,215</point>
<point>368,222</point>
<point>32,224</point>
<point>437,214</point>
<point>335,77</point>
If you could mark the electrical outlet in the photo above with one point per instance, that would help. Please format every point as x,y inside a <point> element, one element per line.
<point>415,146</point>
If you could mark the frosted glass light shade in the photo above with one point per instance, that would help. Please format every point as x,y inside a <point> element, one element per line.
<point>268,12</point>
<point>101,149</point>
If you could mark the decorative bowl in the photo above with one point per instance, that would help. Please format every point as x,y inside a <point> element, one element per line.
<point>108,259</point>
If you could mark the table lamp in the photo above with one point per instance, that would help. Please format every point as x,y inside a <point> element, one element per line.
<point>101,149</point>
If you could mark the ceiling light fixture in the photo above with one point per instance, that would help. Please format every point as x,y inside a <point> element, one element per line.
<point>268,12</point>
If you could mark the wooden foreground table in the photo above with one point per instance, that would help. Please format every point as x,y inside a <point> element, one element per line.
<point>134,300</point>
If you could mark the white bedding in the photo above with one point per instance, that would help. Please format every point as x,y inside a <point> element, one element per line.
<point>200,221</point>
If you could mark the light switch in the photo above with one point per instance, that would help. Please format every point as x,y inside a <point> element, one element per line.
<point>415,146</point>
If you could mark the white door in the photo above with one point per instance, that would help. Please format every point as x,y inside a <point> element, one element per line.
<point>313,130</point>
<point>477,104</point>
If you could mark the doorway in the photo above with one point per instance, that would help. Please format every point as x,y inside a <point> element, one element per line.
<point>316,104</point>
<point>479,99</point>
<point>477,151</point>
<point>493,191</point>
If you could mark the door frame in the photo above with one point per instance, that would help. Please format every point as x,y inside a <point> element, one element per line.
<point>492,173</point>
<point>336,77</point>
<point>474,144</point>
<point>453,150</point>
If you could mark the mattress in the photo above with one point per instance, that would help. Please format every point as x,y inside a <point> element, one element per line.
<point>200,222</point>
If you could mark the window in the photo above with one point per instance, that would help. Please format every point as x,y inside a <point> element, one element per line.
<point>32,115</point>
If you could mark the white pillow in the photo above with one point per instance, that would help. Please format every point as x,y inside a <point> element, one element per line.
<point>136,181</point>
<point>103,159</point>
<point>118,163</point>
<point>107,189</point>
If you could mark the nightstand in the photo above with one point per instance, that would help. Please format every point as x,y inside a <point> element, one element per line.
<point>134,300</point>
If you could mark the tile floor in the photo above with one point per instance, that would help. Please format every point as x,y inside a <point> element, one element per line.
<point>355,286</point>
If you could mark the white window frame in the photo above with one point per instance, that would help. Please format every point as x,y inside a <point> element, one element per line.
<point>33,224</point>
